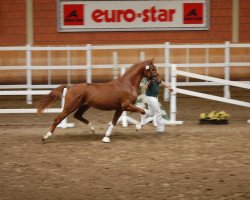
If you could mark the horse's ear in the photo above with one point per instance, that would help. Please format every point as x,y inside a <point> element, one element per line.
<point>151,61</point>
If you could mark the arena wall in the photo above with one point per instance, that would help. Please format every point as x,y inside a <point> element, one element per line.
<point>13,33</point>
<point>12,22</point>
<point>244,21</point>
<point>13,25</point>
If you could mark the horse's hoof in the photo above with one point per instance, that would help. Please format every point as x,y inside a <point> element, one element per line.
<point>138,127</point>
<point>106,139</point>
<point>91,128</point>
<point>43,141</point>
<point>47,135</point>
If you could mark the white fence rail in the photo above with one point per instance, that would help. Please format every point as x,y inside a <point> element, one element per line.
<point>63,124</point>
<point>175,73</point>
<point>88,49</point>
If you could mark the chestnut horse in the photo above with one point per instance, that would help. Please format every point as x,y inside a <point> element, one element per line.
<point>119,95</point>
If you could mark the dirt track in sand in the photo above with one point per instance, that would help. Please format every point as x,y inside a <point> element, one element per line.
<point>191,161</point>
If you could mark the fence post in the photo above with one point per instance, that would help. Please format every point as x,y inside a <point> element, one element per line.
<point>49,64</point>
<point>68,64</point>
<point>142,55</point>
<point>173,94</point>
<point>88,63</point>
<point>142,83</point>
<point>227,70</point>
<point>124,113</point>
<point>28,74</point>
<point>166,72</point>
<point>64,123</point>
<point>115,63</point>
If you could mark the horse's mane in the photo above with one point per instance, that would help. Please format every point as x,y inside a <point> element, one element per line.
<point>138,63</point>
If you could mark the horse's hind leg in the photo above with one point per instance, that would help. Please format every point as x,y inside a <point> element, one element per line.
<point>78,115</point>
<point>117,114</point>
<point>57,120</point>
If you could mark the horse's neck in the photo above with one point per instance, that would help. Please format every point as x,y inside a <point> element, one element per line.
<point>134,77</point>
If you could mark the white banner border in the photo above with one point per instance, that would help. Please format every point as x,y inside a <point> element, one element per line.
<point>60,28</point>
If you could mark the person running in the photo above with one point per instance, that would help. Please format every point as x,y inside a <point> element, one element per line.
<point>152,90</point>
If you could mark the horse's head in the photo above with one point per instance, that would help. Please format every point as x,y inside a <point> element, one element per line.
<point>150,71</point>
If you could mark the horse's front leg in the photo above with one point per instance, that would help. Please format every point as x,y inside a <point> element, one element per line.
<point>133,108</point>
<point>117,114</point>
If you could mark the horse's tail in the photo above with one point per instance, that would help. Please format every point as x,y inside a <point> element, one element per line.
<point>54,95</point>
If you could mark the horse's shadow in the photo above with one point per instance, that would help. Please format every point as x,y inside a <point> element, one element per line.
<point>73,138</point>
<point>91,137</point>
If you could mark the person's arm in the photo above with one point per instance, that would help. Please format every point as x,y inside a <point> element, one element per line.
<point>164,84</point>
<point>146,85</point>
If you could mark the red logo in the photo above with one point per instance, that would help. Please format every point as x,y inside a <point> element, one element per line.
<point>193,13</point>
<point>73,14</point>
<point>129,15</point>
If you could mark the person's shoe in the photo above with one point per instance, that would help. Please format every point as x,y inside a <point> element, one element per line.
<point>161,132</point>
<point>160,129</point>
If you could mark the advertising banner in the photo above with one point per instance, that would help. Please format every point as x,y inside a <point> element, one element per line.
<point>83,16</point>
